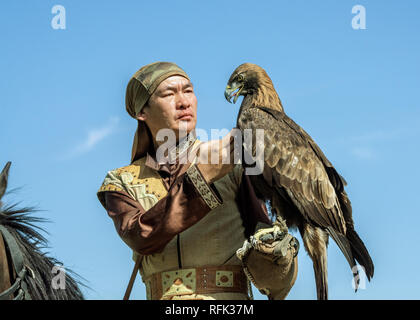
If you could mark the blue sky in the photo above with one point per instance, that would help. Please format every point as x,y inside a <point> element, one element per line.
<point>64,125</point>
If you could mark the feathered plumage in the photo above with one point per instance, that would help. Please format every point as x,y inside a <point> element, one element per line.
<point>298,180</point>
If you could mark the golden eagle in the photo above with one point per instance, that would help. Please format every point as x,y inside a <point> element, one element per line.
<point>298,181</point>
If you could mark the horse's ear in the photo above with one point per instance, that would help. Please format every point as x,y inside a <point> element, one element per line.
<point>3,178</point>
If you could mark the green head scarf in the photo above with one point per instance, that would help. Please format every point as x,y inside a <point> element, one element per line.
<point>145,81</point>
<point>139,89</point>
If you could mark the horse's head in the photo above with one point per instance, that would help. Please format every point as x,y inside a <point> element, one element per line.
<point>25,271</point>
<point>3,179</point>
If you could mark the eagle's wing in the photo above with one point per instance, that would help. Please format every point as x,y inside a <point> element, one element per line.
<point>297,166</point>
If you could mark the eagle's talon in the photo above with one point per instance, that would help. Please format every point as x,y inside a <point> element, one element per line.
<point>268,237</point>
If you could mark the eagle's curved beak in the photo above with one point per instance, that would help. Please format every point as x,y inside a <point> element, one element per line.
<point>234,91</point>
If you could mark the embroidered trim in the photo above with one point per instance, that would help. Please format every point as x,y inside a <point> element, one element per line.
<point>141,183</point>
<point>111,183</point>
<point>202,187</point>
<point>183,146</point>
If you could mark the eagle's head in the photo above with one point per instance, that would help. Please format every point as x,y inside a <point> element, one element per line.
<point>248,78</point>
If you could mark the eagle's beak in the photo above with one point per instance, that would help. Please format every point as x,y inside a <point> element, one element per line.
<point>230,92</point>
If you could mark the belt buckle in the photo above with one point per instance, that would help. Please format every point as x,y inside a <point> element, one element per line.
<point>224,278</point>
<point>179,282</point>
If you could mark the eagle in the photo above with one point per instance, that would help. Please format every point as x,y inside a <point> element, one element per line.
<point>298,182</point>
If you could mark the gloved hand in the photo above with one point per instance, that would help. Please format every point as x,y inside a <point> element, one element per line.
<point>269,258</point>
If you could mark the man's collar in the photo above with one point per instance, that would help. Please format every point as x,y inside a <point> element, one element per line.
<point>182,147</point>
<point>175,152</point>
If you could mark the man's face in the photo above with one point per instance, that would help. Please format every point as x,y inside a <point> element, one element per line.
<point>173,105</point>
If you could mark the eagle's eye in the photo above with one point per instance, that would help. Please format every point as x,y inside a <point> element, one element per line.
<point>240,78</point>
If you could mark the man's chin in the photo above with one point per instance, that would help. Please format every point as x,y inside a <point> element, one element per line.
<point>185,127</point>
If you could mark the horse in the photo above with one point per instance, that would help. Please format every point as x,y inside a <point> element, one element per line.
<point>27,273</point>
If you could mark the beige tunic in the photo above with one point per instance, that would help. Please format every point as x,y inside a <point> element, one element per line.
<point>211,241</point>
<point>175,220</point>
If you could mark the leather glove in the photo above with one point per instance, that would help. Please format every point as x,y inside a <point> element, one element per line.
<point>269,259</point>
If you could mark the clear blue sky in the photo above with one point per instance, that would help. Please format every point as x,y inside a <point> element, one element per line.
<point>64,125</point>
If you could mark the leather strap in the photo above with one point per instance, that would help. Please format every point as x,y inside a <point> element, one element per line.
<point>19,285</point>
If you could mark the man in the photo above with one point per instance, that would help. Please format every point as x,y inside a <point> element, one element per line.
<point>185,218</point>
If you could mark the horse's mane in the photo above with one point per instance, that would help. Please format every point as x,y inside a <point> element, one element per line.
<point>22,225</point>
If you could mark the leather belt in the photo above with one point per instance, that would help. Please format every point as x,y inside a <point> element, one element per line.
<point>201,280</point>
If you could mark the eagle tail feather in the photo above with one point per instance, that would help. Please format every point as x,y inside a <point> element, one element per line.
<point>360,252</point>
<point>345,247</point>
<point>354,250</point>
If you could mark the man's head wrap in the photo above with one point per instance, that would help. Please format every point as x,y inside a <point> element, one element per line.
<point>139,89</point>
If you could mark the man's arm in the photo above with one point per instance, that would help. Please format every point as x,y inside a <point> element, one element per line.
<point>188,200</point>
<point>190,197</point>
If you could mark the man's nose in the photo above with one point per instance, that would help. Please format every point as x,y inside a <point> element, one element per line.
<point>183,102</point>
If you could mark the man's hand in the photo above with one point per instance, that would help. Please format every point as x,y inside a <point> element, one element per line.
<point>216,158</point>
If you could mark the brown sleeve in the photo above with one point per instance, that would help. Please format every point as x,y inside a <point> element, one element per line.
<point>147,232</point>
<point>252,209</point>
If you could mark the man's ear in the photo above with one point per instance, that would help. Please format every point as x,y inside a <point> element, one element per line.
<point>142,115</point>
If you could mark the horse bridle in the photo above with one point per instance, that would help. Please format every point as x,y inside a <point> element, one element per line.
<point>19,286</point>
